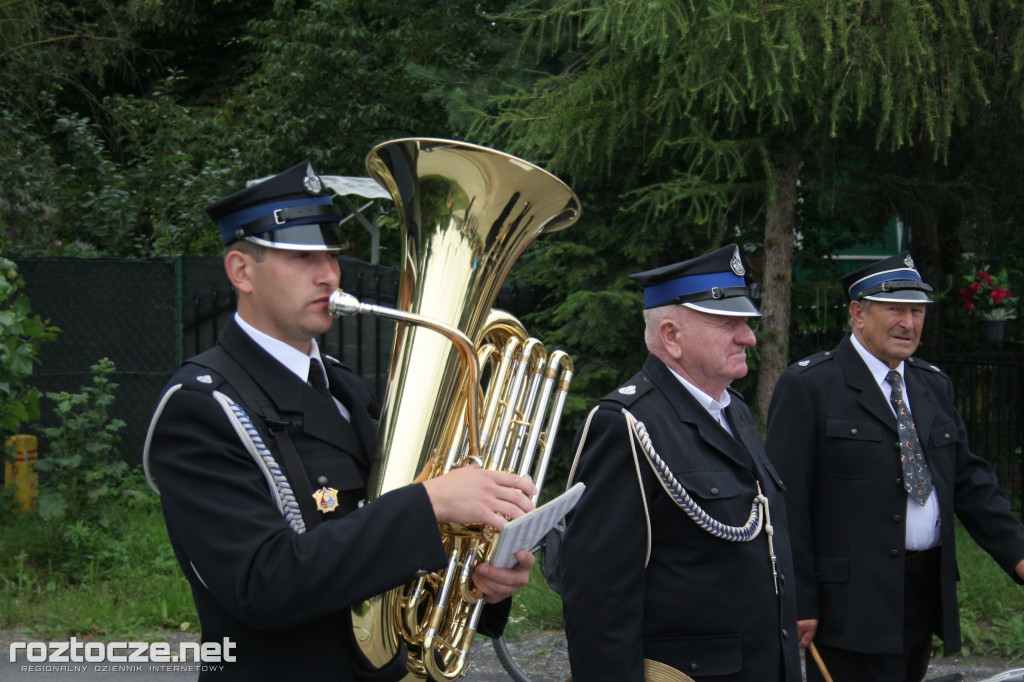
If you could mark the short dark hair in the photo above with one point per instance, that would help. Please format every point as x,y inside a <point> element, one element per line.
<point>257,251</point>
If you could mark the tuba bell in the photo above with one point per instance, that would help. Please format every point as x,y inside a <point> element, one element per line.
<point>467,213</point>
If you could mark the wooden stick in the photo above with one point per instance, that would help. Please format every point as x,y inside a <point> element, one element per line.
<point>821,664</point>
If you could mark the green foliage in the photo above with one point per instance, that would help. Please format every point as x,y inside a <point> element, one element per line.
<point>84,474</point>
<point>22,334</point>
<point>991,604</point>
<point>127,585</point>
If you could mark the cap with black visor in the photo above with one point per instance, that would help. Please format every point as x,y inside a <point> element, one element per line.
<point>292,210</point>
<point>712,283</point>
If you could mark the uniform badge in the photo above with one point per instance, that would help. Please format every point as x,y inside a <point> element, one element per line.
<point>204,379</point>
<point>326,499</point>
<point>628,390</point>
<point>804,363</point>
<point>736,264</point>
<point>311,182</point>
<point>908,261</point>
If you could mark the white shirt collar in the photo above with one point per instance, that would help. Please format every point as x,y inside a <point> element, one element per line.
<point>879,370</point>
<point>290,357</point>
<point>714,407</point>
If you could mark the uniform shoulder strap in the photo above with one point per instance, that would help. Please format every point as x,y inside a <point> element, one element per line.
<point>256,399</point>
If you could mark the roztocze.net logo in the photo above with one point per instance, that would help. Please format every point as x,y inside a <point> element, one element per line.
<point>121,656</point>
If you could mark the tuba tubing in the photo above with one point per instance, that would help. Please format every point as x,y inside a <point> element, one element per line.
<point>466,213</point>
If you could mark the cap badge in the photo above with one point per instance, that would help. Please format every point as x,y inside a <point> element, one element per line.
<point>736,264</point>
<point>628,390</point>
<point>908,261</point>
<point>311,182</point>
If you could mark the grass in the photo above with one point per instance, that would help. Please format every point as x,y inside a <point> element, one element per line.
<point>991,604</point>
<point>59,579</point>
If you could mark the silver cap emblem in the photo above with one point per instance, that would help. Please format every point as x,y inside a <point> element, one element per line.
<point>908,261</point>
<point>628,390</point>
<point>736,264</point>
<point>311,182</point>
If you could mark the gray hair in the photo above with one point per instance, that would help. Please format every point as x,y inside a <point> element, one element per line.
<point>652,320</point>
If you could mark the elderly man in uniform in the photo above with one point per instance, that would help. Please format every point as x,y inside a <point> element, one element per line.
<point>672,562</point>
<point>261,449</point>
<point>876,464</point>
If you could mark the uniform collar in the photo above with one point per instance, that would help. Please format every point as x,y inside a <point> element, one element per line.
<point>879,370</point>
<point>714,407</point>
<point>296,361</point>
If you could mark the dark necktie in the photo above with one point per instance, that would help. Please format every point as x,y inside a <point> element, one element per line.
<point>316,378</point>
<point>917,478</point>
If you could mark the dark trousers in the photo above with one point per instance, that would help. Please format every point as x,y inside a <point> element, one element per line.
<point>922,616</point>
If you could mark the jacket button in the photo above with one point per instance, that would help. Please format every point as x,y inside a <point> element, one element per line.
<point>853,432</point>
<point>693,667</point>
<point>785,635</point>
<point>894,553</point>
<point>947,436</point>
<point>896,518</point>
<point>714,490</point>
<point>899,482</point>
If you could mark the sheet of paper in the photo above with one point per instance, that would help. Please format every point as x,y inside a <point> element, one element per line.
<point>526,531</point>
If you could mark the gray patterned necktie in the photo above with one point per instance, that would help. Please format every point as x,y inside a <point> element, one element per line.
<point>917,477</point>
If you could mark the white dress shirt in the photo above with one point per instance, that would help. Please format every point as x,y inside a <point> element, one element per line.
<point>923,522</point>
<point>296,361</point>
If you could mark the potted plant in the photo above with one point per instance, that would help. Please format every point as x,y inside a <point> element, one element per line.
<point>987,297</point>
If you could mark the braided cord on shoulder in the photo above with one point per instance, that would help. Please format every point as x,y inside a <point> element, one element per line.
<point>675,490</point>
<point>281,490</point>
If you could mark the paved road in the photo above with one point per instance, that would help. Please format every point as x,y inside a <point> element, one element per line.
<point>541,655</point>
<point>485,666</point>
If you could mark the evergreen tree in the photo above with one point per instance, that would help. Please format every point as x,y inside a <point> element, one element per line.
<point>711,115</point>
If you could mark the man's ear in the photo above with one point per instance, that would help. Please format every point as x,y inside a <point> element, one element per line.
<point>856,313</point>
<point>238,267</point>
<point>669,333</point>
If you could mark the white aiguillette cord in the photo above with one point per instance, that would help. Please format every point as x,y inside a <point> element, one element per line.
<point>746,533</point>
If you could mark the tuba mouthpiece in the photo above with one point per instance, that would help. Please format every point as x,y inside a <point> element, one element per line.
<point>343,303</point>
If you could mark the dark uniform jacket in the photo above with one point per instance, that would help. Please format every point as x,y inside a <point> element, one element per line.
<point>832,436</point>
<point>703,605</point>
<point>282,597</point>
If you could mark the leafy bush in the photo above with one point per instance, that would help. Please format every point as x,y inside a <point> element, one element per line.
<point>22,334</point>
<point>83,470</point>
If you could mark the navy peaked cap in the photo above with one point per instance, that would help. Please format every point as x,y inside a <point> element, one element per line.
<point>291,210</point>
<point>713,283</point>
<point>893,279</point>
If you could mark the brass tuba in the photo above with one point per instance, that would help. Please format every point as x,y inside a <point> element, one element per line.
<point>467,212</point>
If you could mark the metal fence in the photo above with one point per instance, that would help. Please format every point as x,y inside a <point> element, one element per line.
<point>147,316</point>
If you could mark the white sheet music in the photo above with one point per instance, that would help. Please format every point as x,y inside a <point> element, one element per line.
<point>527,530</point>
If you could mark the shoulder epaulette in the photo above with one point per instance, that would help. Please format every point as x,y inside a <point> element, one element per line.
<point>199,377</point>
<point>812,360</point>
<point>918,363</point>
<point>629,393</point>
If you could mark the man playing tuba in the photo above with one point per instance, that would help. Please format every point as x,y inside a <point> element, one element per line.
<point>261,449</point>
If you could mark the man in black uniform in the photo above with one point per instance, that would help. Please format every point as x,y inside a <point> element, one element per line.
<point>873,540</point>
<point>261,450</point>
<point>680,565</point>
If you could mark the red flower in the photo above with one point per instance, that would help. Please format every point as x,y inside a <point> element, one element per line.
<point>989,299</point>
